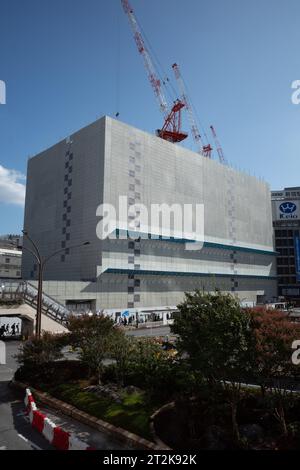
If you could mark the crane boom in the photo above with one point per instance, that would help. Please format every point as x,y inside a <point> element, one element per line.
<point>218,146</point>
<point>202,149</point>
<point>154,80</point>
<point>171,129</point>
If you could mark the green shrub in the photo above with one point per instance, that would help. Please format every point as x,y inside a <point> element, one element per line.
<point>132,414</point>
<point>41,351</point>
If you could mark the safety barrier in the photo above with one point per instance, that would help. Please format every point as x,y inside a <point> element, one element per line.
<point>59,438</point>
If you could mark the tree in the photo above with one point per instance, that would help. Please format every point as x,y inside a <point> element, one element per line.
<point>216,334</point>
<point>274,335</point>
<point>121,349</point>
<point>92,335</point>
<point>40,351</point>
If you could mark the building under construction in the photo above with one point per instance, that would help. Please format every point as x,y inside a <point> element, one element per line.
<point>142,263</point>
<point>108,159</point>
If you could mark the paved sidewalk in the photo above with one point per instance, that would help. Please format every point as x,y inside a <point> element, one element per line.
<point>91,436</point>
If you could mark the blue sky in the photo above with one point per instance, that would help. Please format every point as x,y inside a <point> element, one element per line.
<point>68,62</point>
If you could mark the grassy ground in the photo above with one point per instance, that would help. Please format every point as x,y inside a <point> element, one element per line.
<point>132,414</point>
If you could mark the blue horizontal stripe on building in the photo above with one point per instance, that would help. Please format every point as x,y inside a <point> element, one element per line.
<point>220,246</point>
<point>183,273</point>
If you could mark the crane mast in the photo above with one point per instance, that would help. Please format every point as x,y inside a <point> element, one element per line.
<point>218,146</point>
<point>171,129</point>
<point>202,149</point>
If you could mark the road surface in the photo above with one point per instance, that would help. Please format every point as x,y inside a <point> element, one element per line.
<point>16,432</point>
<point>156,331</point>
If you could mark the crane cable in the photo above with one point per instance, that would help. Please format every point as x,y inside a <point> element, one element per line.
<point>118,65</point>
<point>203,132</point>
<point>171,91</point>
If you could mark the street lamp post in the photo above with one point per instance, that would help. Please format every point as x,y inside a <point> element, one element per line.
<point>41,265</point>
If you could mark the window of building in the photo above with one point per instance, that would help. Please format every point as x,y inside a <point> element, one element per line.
<point>7,260</point>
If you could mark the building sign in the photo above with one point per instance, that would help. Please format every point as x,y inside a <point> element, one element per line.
<point>297,257</point>
<point>10,327</point>
<point>285,210</point>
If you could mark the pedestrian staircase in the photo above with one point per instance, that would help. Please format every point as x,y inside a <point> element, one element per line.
<point>28,293</point>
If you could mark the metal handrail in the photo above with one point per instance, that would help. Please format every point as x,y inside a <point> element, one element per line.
<point>51,307</point>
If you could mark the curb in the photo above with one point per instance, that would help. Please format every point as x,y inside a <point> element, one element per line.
<point>119,433</point>
<point>157,440</point>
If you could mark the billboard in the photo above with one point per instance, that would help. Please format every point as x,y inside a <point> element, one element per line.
<point>297,257</point>
<point>10,327</point>
<point>285,210</point>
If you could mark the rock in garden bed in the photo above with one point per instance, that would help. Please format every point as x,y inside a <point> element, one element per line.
<point>112,391</point>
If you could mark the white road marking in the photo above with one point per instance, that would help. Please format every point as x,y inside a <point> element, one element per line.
<point>35,447</point>
<point>22,437</point>
<point>3,448</point>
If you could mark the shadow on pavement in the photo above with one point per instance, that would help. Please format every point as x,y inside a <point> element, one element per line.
<point>20,420</point>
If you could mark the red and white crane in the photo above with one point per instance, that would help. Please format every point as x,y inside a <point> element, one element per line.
<point>218,146</point>
<point>202,149</point>
<point>171,129</point>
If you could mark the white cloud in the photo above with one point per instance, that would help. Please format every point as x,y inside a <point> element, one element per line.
<point>12,187</point>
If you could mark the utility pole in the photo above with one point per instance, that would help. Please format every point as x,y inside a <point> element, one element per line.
<point>41,262</point>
